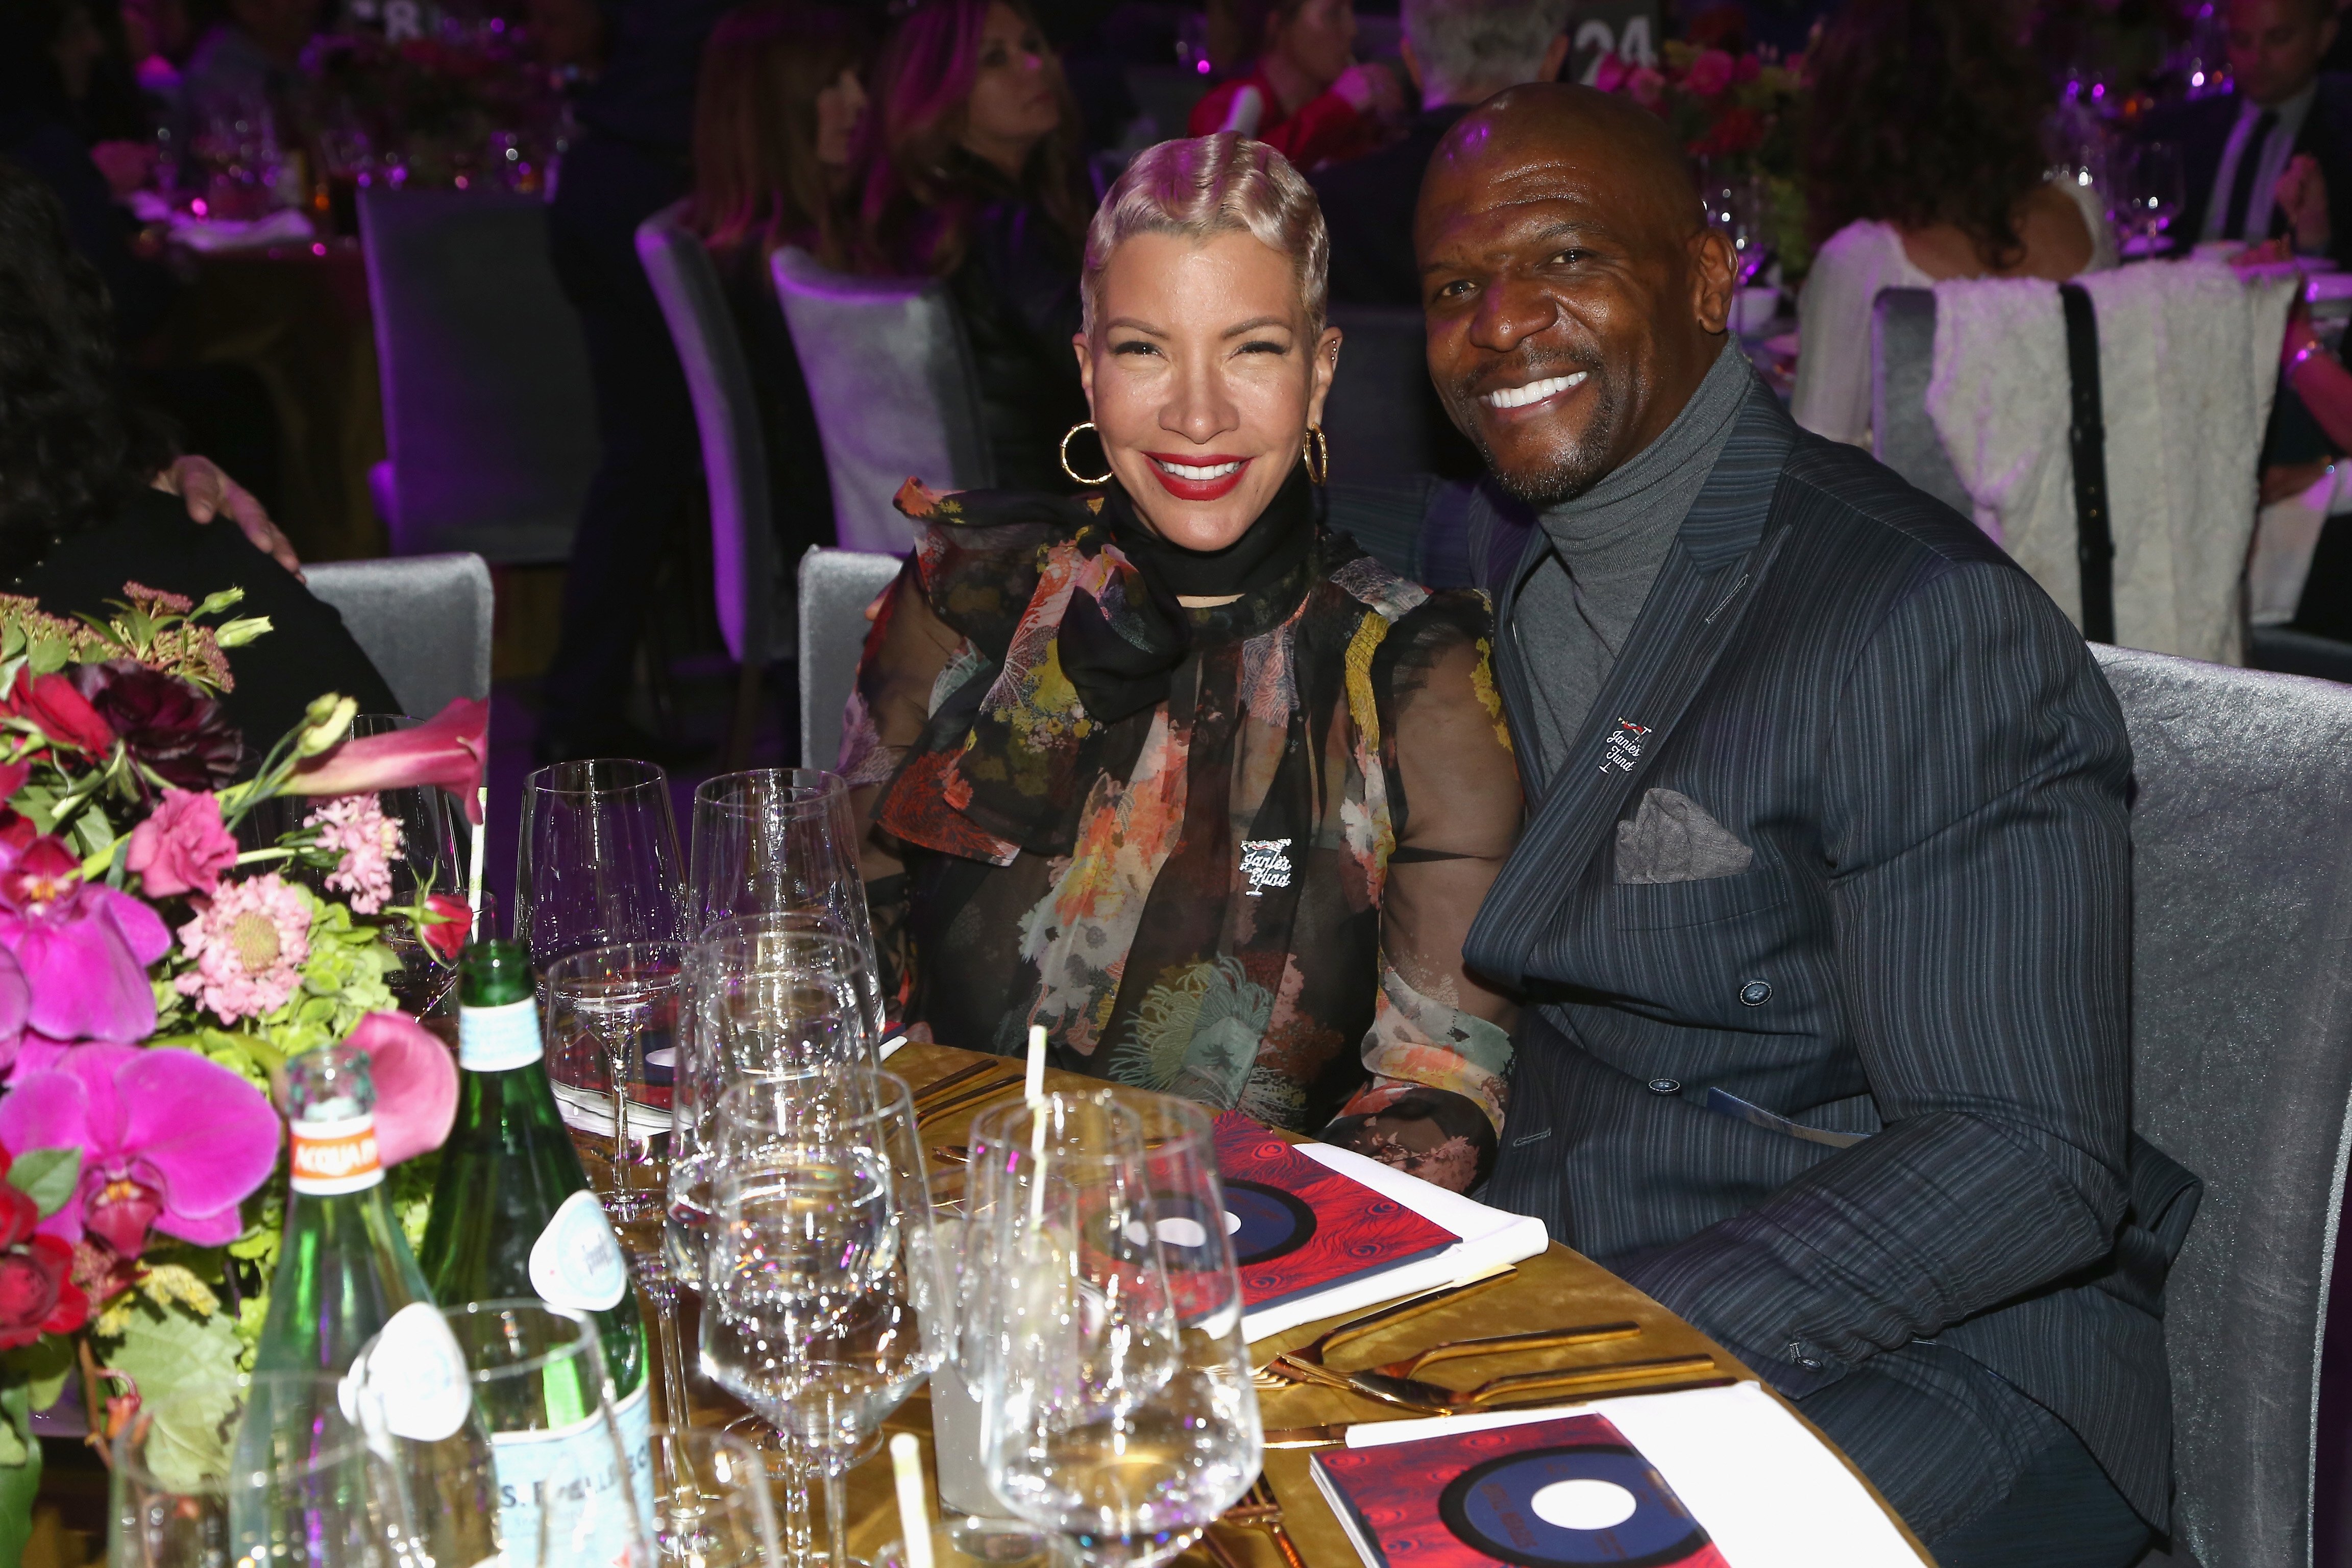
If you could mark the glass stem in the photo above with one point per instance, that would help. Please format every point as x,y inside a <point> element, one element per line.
<point>836,1511</point>
<point>616,1067</point>
<point>679,1410</point>
<point>798,1547</point>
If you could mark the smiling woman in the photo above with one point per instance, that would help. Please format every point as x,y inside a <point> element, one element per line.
<point>1167,767</point>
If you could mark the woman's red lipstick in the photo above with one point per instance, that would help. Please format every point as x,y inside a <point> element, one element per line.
<point>1184,489</point>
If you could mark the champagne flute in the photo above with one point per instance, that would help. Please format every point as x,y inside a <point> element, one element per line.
<point>1107,1332</point>
<point>598,861</point>
<point>823,1291</point>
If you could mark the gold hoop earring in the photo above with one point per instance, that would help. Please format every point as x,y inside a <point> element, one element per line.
<point>1317,454</point>
<point>1081,479</point>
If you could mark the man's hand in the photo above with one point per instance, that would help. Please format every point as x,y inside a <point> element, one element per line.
<point>2302,194</point>
<point>209,492</point>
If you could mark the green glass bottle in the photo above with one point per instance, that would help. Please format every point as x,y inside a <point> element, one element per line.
<point>343,1266</point>
<point>513,1214</point>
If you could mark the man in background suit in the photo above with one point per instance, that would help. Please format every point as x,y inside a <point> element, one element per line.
<point>1459,53</point>
<point>1822,911</point>
<point>2274,157</point>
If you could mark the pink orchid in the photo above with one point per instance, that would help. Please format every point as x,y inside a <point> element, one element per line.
<point>450,750</point>
<point>167,1140</point>
<point>182,848</point>
<point>416,1085</point>
<point>82,949</point>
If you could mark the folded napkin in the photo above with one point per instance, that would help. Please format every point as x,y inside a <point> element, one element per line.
<point>1490,1237</point>
<point>1769,1491</point>
<point>206,236</point>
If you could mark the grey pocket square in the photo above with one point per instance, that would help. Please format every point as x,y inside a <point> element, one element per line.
<point>1673,839</point>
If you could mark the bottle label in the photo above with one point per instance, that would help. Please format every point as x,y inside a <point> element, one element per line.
<point>332,1157</point>
<point>577,1262</point>
<point>560,1493</point>
<point>411,1379</point>
<point>496,1040</point>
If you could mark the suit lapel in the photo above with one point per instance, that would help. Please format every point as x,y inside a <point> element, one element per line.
<point>1696,608</point>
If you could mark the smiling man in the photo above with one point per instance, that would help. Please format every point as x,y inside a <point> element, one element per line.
<point>1822,912</point>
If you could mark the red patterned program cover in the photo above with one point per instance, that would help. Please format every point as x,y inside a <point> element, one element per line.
<point>1549,1494</point>
<point>1299,1226</point>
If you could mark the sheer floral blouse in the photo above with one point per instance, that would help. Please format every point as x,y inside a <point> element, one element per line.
<point>1229,852</point>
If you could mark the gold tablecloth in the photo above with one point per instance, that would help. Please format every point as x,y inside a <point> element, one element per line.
<point>1553,1290</point>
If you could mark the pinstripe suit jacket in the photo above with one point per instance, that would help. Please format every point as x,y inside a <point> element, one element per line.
<point>1932,772</point>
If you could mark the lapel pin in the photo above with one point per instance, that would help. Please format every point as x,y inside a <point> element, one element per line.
<point>1266,863</point>
<point>1623,746</point>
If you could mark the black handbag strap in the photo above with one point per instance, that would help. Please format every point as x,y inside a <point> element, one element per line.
<point>2086,439</point>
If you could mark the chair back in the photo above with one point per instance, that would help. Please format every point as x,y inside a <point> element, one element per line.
<point>753,614</point>
<point>423,620</point>
<point>895,390</point>
<point>2242,1060</point>
<point>835,587</point>
<point>486,410</point>
<point>1902,359</point>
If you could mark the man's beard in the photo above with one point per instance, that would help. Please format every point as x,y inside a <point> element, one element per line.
<point>1567,473</point>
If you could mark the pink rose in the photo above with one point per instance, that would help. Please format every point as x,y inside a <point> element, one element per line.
<point>182,848</point>
<point>1709,74</point>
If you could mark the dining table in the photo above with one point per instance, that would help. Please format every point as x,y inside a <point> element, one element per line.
<point>1556,1286</point>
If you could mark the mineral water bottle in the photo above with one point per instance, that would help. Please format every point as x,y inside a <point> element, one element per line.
<point>513,1217</point>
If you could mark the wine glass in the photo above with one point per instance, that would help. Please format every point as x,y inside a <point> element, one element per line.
<point>318,1480</point>
<point>711,1508</point>
<point>1739,208</point>
<point>823,1291</point>
<point>598,859</point>
<point>1106,1335</point>
<point>776,841</point>
<point>2149,195</point>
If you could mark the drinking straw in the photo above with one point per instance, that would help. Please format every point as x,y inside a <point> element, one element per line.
<point>914,1511</point>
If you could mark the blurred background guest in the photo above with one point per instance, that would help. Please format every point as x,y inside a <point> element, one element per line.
<point>1459,53</point>
<point>968,169</point>
<point>1303,92</point>
<point>1924,161</point>
<point>774,120</point>
<point>252,56</point>
<point>2274,157</point>
<point>630,162</point>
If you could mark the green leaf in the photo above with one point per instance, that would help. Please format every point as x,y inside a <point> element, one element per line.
<point>20,1476</point>
<point>17,1443</point>
<point>185,1368</point>
<point>47,1176</point>
<point>45,1364</point>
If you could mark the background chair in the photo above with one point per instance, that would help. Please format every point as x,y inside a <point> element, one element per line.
<point>424,620</point>
<point>486,411</point>
<point>835,587</point>
<point>2242,1056</point>
<point>754,614</point>
<point>1903,437</point>
<point>895,390</point>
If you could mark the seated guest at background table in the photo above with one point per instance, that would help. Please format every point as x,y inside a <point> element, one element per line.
<point>1822,925</point>
<point>1304,94</point>
<point>86,483</point>
<point>968,169</point>
<point>1169,768</point>
<point>252,56</point>
<point>1923,161</point>
<point>2237,149</point>
<point>775,117</point>
<point>1460,53</point>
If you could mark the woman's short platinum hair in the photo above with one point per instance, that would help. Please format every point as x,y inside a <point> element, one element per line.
<point>1203,186</point>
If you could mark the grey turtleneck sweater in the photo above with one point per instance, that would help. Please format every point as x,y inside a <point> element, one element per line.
<point>1589,567</point>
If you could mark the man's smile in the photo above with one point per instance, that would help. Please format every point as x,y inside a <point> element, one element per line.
<point>1534,392</point>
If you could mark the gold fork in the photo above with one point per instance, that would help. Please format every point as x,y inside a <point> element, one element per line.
<point>1261,1509</point>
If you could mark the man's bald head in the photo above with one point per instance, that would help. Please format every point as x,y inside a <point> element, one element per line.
<point>1562,241</point>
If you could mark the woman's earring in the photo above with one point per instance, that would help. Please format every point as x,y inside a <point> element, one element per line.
<point>1081,479</point>
<point>1319,455</point>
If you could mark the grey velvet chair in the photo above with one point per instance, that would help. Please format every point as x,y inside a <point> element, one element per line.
<point>755,614</point>
<point>2241,1051</point>
<point>424,620</point>
<point>1902,358</point>
<point>895,390</point>
<point>486,412</point>
<point>835,587</point>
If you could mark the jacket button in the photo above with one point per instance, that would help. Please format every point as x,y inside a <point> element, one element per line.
<point>1665,1086</point>
<point>1755,993</point>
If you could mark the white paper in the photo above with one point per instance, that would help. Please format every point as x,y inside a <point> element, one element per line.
<point>1770,1493</point>
<point>1490,1237</point>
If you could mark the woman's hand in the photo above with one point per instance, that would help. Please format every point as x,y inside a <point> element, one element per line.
<point>208,492</point>
<point>2302,194</point>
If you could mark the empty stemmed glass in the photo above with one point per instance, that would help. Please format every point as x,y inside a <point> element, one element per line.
<point>2148,195</point>
<point>823,1289</point>
<point>711,1507</point>
<point>598,860</point>
<point>1101,1319</point>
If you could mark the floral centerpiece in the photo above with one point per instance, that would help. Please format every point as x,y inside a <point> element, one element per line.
<point>1738,114</point>
<point>154,974</point>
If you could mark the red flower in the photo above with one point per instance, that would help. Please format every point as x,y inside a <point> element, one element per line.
<point>168,723</point>
<point>1709,73</point>
<point>60,713</point>
<point>447,936</point>
<point>1739,129</point>
<point>38,1295</point>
